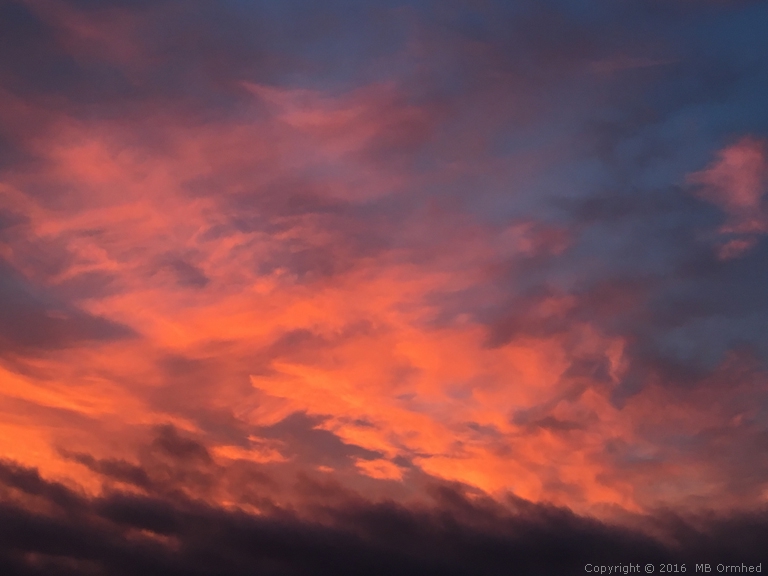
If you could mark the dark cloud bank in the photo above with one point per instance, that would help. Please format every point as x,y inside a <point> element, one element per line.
<point>46,528</point>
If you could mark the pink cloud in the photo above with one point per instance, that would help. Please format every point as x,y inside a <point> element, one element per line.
<point>736,182</point>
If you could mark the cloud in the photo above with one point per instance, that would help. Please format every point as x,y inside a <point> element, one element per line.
<point>122,533</point>
<point>311,443</point>
<point>263,256</point>
<point>117,469</point>
<point>32,319</point>
<point>736,182</point>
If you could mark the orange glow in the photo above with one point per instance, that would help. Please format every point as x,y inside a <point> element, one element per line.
<point>226,339</point>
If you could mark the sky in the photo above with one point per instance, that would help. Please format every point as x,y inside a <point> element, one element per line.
<point>382,287</point>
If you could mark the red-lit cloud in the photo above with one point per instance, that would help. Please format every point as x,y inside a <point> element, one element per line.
<point>239,256</point>
<point>450,276</point>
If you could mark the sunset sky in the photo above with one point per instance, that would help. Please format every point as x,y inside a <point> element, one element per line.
<point>382,287</point>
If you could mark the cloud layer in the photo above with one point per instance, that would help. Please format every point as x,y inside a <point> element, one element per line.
<point>287,268</point>
<point>48,529</point>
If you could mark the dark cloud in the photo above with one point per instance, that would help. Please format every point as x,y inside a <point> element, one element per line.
<point>116,469</point>
<point>306,346</point>
<point>305,262</point>
<point>304,439</point>
<point>170,442</point>
<point>31,318</point>
<point>9,218</point>
<point>31,57</point>
<point>97,57</point>
<point>126,534</point>
<point>172,464</point>
<point>86,285</point>
<point>188,275</point>
<point>555,425</point>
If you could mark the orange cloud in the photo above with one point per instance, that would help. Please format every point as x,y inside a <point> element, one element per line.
<point>291,325</point>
